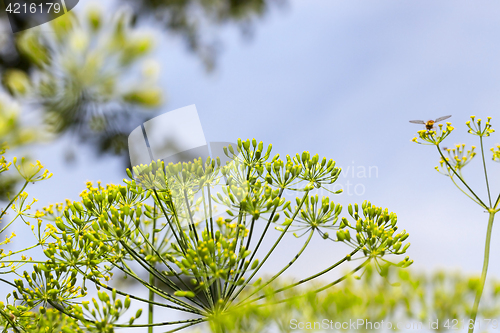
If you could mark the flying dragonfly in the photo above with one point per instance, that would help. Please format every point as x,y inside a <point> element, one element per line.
<point>429,124</point>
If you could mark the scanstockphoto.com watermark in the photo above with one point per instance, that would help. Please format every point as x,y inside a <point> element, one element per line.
<point>352,178</point>
<point>365,324</point>
<point>351,181</point>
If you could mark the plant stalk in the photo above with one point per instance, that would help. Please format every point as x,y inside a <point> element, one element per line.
<point>485,170</point>
<point>483,273</point>
<point>152,278</point>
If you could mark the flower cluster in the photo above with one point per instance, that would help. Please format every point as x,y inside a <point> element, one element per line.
<point>104,313</point>
<point>315,214</point>
<point>20,205</point>
<point>44,286</point>
<point>496,153</point>
<point>434,137</point>
<point>458,158</point>
<point>477,128</point>
<point>375,232</point>
<point>31,172</point>
<point>196,229</point>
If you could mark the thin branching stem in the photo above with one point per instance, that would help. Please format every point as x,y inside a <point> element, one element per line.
<point>463,181</point>
<point>311,233</point>
<point>182,246</point>
<point>344,277</point>
<point>151,297</point>
<point>165,323</point>
<point>245,283</point>
<point>171,285</point>
<point>458,186</point>
<point>159,292</point>
<point>4,211</point>
<point>485,169</point>
<point>9,320</point>
<point>312,277</point>
<point>197,321</point>
<point>254,252</point>
<point>484,271</point>
<point>119,292</point>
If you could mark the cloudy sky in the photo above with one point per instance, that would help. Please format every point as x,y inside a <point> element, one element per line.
<point>342,79</point>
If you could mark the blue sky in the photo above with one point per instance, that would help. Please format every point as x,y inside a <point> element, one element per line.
<point>342,79</point>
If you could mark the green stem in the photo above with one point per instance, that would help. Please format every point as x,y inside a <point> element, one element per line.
<point>312,277</point>
<point>496,202</point>
<point>211,287</point>
<point>270,251</point>
<point>161,293</point>
<point>59,308</point>
<point>24,261</point>
<point>182,245</point>
<point>454,182</point>
<point>325,286</point>
<point>284,268</point>
<point>461,179</point>
<point>146,265</point>
<point>100,284</point>
<point>151,326</point>
<point>171,284</point>
<point>210,213</point>
<point>152,279</point>
<point>237,275</point>
<point>205,209</point>
<point>485,170</point>
<point>13,199</point>
<point>8,282</point>
<point>158,275</point>
<point>191,224</point>
<point>8,225</point>
<point>8,319</point>
<point>484,272</point>
<point>237,238</point>
<point>186,326</point>
<point>260,240</point>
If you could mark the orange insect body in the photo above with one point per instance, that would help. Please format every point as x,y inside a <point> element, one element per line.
<point>429,124</point>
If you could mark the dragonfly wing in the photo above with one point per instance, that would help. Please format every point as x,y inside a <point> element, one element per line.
<point>417,122</point>
<point>442,118</point>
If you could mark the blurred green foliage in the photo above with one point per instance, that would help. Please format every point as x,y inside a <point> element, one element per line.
<point>12,128</point>
<point>194,21</point>
<point>78,68</point>
<point>197,21</point>
<point>403,296</point>
<point>89,76</point>
<point>17,133</point>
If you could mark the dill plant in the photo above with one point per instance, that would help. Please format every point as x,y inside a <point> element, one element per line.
<point>18,205</point>
<point>451,164</point>
<point>162,230</point>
